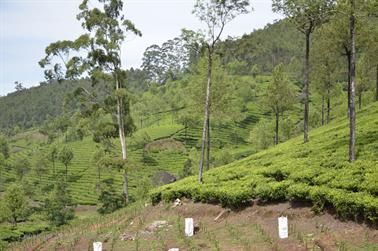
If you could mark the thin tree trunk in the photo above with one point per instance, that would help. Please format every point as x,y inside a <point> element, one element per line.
<point>207,113</point>
<point>126,186</point>
<point>328,106</point>
<point>376,87</point>
<point>322,110</point>
<point>122,138</point>
<point>349,58</point>
<point>208,143</point>
<point>360,101</point>
<point>66,173</point>
<point>306,88</point>
<point>352,117</point>
<point>277,127</point>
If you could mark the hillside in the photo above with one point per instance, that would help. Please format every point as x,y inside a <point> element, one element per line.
<point>312,184</point>
<point>317,172</point>
<point>255,228</point>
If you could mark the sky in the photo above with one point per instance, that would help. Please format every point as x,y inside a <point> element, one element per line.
<point>28,26</point>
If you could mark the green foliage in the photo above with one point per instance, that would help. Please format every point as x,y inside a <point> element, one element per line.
<point>4,148</point>
<point>280,93</point>
<point>58,206</point>
<point>110,200</point>
<point>14,206</point>
<point>21,167</point>
<point>187,169</point>
<point>307,15</point>
<point>317,172</point>
<point>262,134</point>
<point>65,156</point>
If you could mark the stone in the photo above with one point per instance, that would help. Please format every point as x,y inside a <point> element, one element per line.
<point>97,246</point>
<point>177,203</point>
<point>283,228</point>
<point>189,227</point>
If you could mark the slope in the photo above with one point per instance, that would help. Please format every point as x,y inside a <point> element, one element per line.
<point>317,172</point>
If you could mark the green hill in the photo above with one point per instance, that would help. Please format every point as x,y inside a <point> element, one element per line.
<point>317,172</point>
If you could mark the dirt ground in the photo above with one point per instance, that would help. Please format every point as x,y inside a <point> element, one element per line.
<point>254,228</point>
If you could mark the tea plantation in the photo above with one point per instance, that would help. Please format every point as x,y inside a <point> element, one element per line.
<point>317,172</point>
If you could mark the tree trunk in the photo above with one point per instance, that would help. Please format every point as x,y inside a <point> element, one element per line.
<point>322,110</point>
<point>360,101</point>
<point>126,186</point>
<point>208,143</point>
<point>352,117</point>
<point>376,83</point>
<point>207,113</point>
<point>122,138</point>
<point>277,127</point>
<point>66,173</point>
<point>328,106</point>
<point>306,88</point>
<point>349,58</point>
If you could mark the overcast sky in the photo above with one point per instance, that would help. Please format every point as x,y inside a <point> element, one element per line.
<point>28,26</point>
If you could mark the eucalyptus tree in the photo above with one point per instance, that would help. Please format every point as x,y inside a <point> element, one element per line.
<point>307,16</point>
<point>172,58</point>
<point>97,53</point>
<point>280,96</point>
<point>326,61</point>
<point>352,110</point>
<point>215,14</point>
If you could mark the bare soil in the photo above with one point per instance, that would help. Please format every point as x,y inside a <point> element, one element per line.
<point>254,228</point>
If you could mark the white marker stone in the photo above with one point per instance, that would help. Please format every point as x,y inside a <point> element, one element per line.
<point>283,228</point>
<point>174,249</point>
<point>97,246</point>
<point>189,227</point>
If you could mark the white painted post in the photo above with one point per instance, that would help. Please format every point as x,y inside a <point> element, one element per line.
<point>189,227</point>
<point>283,228</point>
<point>97,246</point>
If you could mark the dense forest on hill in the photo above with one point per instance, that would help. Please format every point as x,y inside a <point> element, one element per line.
<point>285,113</point>
<point>264,48</point>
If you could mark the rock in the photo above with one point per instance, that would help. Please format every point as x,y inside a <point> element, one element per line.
<point>128,237</point>
<point>177,203</point>
<point>156,225</point>
<point>163,178</point>
<point>173,249</point>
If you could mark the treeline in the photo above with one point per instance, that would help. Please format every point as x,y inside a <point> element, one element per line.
<point>251,54</point>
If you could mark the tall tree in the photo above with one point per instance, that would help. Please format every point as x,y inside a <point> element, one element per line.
<point>65,156</point>
<point>52,155</point>
<point>352,110</point>
<point>14,204</point>
<point>106,29</point>
<point>307,15</point>
<point>40,166</point>
<point>326,61</point>
<point>215,14</point>
<point>58,205</point>
<point>280,96</point>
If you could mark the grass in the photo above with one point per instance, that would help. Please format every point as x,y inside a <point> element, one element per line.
<point>318,172</point>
